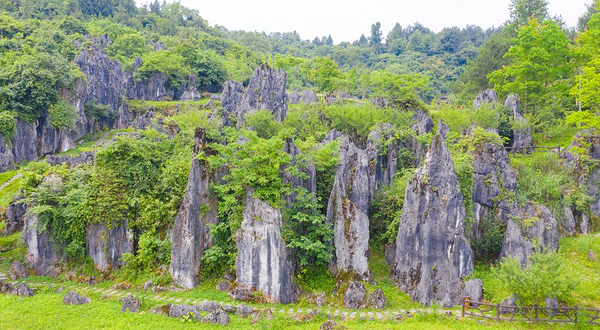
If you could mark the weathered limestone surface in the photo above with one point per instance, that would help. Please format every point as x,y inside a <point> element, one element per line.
<point>522,141</point>
<point>488,96</point>
<point>191,233</point>
<point>105,246</point>
<point>15,215</point>
<point>348,209</point>
<point>262,262</point>
<point>382,143</point>
<point>432,253</point>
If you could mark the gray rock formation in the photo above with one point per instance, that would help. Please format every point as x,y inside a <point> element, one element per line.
<point>473,290</point>
<point>191,233</point>
<point>131,304</point>
<point>41,254</point>
<point>73,298</point>
<point>293,97</point>
<point>86,157</point>
<point>21,289</point>
<point>154,88</point>
<point>17,271</point>
<point>587,171</point>
<point>380,102</point>
<point>422,124</point>
<point>531,228</point>
<point>15,214</point>
<point>218,316</point>
<point>105,245</point>
<point>432,253</point>
<point>231,98</point>
<point>244,310</point>
<point>179,311</point>
<point>190,92</point>
<point>488,96</point>
<point>355,295</point>
<point>262,262</point>
<point>208,306</point>
<point>266,90</point>
<point>348,209</point>
<point>309,97</point>
<point>305,165</point>
<point>522,141</point>
<point>376,300</point>
<point>382,143</point>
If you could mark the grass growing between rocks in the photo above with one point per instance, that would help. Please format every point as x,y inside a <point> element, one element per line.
<point>46,311</point>
<point>11,248</point>
<point>575,251</point>
<point>8,193</point>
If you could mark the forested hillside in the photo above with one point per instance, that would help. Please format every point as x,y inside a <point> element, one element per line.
<point>145,152</point>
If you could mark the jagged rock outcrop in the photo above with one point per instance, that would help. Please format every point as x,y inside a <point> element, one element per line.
<point>190,91</point>
<point>432,253</point>
<point>309,97</point>
<point>105,245</point>
<point>531,228</point>
<point>355,295</point>
<point>266,90</point>
<point>588,173</point>
<point>153,88</point>
<point>191,233</point>
<point>15,215</point>
<point>348,209</point>
<point>307,167</point>
<point>422,124</point>
<point>42,256</point>
<point>73,298</point>
<point>382,143</point>
<point>131,304</point>
<point>488,96</point>
<point>522,141</point>
<point>86,157</point>
<point>262,262</point>
<point>17,271</point>
<point>380,102</point>
<point>231,99</point>
<point>473,289</point>
<point>293,97</point>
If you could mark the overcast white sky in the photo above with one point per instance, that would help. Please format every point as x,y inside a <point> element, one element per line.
<point>346,20</point>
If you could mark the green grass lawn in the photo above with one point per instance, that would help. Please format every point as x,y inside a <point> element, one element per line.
<point>46,311</point>
<point>575,250</point>
<point>8,193</point>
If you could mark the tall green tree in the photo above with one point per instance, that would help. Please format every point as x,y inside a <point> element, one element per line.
<point>375,40</point>
<point>587,51</point>
<point>521,11</point>
<point>537,65</point>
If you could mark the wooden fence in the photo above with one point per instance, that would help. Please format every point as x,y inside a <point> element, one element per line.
<point>537,315</point>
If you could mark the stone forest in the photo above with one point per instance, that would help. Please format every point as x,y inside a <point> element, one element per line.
<point>160,172</point>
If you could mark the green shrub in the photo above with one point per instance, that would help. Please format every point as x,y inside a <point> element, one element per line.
<point>263,123</point>
<point>163,61</point>
<point>62,115</point>
<point>546,276</point>
<point>8,124</point>
<point>152,252</point>
<point>386,209</point>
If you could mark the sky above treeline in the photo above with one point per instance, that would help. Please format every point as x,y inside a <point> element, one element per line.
<point>346,20</point>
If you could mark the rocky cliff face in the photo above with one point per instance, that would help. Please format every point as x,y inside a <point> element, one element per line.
<point>105,246</point>
<point>266,91</point>
<point>488,96</point>
<point>41,254</point>
<point>191,234</point>
<point>348,208</point>
<point>262,262</point>
<point>15,215</point>
<point>422,124</point>
<point>522,141</point>
<point>381,143</point>
<point>588,175</point>
<point>531,228</point>
<point>432,253</point>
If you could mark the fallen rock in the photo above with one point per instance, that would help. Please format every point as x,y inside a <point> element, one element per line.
<point>17,271</point>
<point>509,302</point>
<point>73,298</point>
<point>591,255</point>
<point>148,285</point>
<point>432,253</point>
<point>183,310</point>
<point>473,290</point>
<point>329,325</point>
<point>355,295</point>
<point>130,303</point>
<point>244,310</point>
<point>376,300</point>
<point>309,97</point>
<point>218,316</point>
<point>209,306</point>
<point>293,97</point>
<point>161,310</point>
<point>229,308</point>
<point>21,289</point>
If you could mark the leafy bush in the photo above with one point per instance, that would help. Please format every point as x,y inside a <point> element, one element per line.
<point>166,62</point>
<point>488,246</point>
<point>263,123</point>
<point>152,252</point>
<point>546,276</point>
<point>387,209</point>
<point>62,115</point>
<point>8,124</point>
<point>99,112</point>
